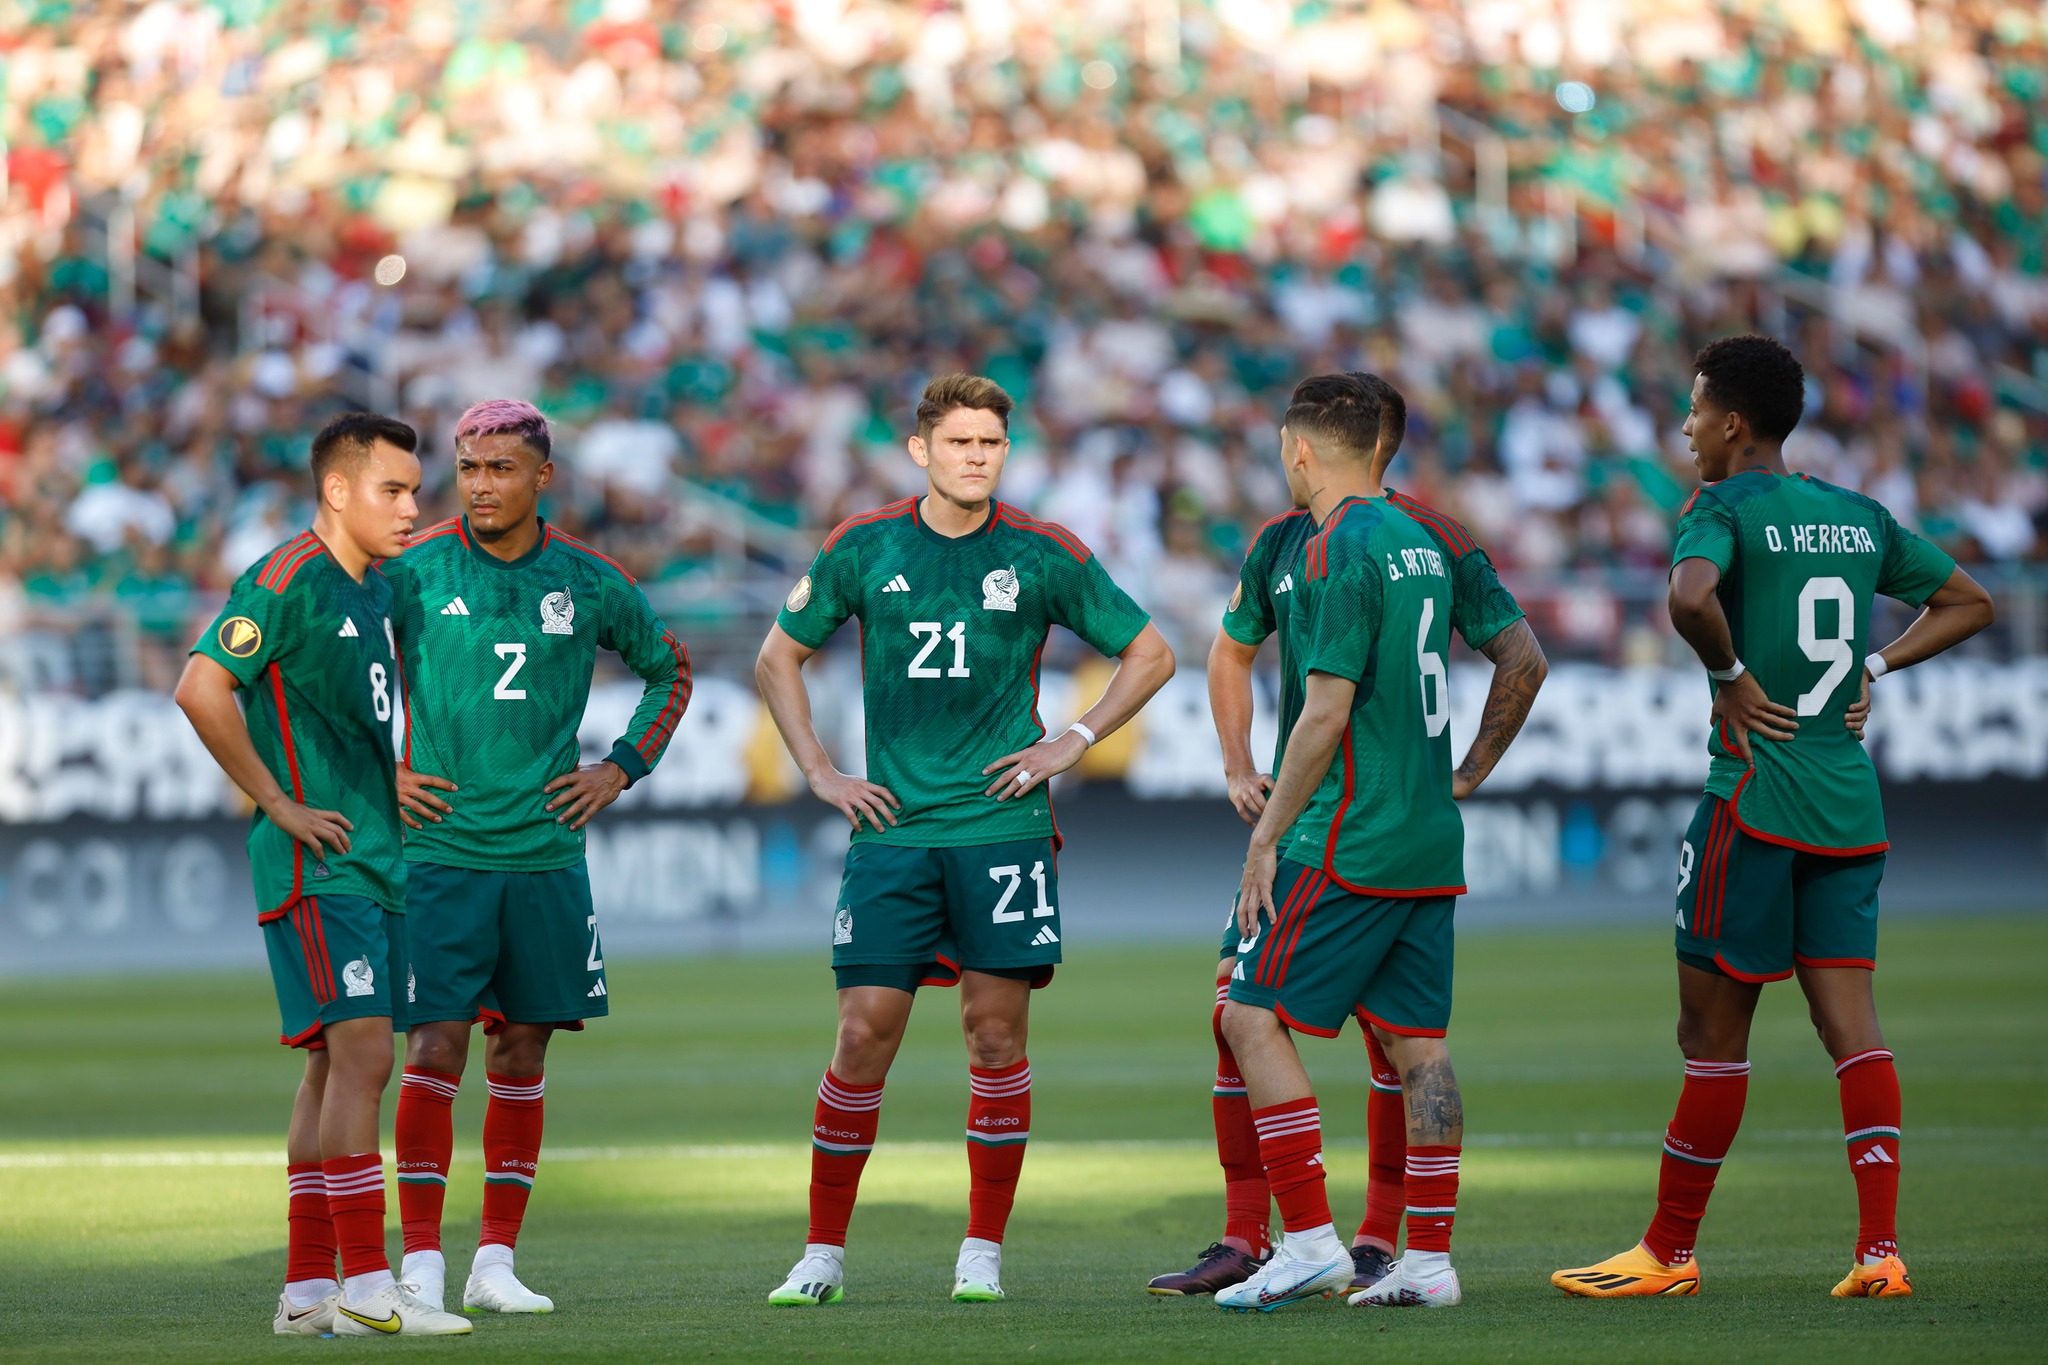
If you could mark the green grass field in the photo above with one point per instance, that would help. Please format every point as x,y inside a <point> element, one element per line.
<point>141,1200</point>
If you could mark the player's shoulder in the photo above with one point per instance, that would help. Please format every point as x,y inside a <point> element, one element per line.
<point>606,568</point>
<point>1051,535</point>
<point>888,519</point>
<point>1447,531</point>
<point>1731,492</point>
<point>1862,502</point>
<point>1289,528</point>
<point>285,566</point>
<point>1345,537</point>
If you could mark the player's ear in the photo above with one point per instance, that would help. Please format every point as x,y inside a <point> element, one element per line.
<point>918,452</point>
<point>334,490</point>
<point>543,476</point>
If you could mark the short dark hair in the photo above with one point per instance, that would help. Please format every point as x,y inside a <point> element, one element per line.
<point>953,391</point>
<point>1393,411</point>
<point>1757,377</point>
<point>346,441</point>
<point>1338,409</point>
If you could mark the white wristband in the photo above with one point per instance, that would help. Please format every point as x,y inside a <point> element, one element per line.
<point>1077,728</point>
<point>1728,674</point>
<point>1876,664</point>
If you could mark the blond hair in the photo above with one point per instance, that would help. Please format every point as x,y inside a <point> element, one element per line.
<point>950,392</point>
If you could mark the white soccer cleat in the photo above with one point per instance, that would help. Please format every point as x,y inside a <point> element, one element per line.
<point>314,1321</point>
<point>493,1288</point>
<point>394,1312</point>
<point>819,1278</point>
<point>427,1274</point>
<point>1406,1288</point>
<point>1289,1278</point>
<point>978,1274</point>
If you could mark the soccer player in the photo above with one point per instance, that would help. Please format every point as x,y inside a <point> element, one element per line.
<point>1373,852</point>
<point>952,876</point>
<point>306,637</point>
<point>1771,584</point>
<point>1487,617</point>
<point>500,617</point>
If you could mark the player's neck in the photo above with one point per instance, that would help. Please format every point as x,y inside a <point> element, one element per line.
<point>1769,456</point>
<point>952,519</point>
<point>510,543</point>
<point>1336,486</point>
<point>353,559</point>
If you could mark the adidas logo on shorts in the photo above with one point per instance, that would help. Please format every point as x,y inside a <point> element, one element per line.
<point>596,991</point>
<point>1044,937</point>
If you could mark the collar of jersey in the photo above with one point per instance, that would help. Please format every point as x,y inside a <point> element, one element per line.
<point>486,557</point>
<point>917,519</point>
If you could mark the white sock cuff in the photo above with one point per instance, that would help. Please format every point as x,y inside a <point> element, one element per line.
<point>490,1253</point>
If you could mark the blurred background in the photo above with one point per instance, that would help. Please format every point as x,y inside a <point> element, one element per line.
<point>724,245</point>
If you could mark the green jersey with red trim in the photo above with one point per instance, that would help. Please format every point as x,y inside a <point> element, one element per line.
<point>1800,561</point>
<point>498,656</point>
<point>1375,607</point>
<point>951,631</point>
<point>312,652</point>
<point>1481,607</point>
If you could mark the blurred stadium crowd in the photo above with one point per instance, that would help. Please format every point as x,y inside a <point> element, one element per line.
<point>724,244</point>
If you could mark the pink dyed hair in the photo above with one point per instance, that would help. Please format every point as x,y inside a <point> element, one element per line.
<point>512,415</point>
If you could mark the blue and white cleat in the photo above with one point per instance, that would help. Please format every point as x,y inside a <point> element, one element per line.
<point>1291,1277</point>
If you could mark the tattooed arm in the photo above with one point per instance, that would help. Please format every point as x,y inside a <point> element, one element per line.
<point>1518,671</point>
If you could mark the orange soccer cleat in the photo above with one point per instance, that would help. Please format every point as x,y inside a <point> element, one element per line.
<point>1885,1280</point>
<point>1634,1272</point>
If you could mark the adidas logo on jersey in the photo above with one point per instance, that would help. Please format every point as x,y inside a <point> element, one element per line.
<point>1044,937</point>
<point>1874,1157</point>
<point>897,584</point>
<point>1286,585</point>
<point>348,630</point>
<point>456,608</point>
<point>596,991</point>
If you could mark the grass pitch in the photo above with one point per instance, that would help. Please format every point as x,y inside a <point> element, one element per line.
<point>141,1200</point>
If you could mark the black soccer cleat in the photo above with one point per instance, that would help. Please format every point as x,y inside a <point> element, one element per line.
<point>1217,1268</point>
<point>1369,1265</point>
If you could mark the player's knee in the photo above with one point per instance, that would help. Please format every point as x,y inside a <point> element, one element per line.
<point>1245,1025</point>
<point>1702,1039</point>
<point>435,1052</point>
<point>862,1044</point>
<point>992,1042</point>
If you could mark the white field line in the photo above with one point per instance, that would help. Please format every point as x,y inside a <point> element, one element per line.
<point>16,1161</point>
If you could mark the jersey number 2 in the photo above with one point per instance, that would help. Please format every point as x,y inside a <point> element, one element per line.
<point>1833,650</point>
<point>505,691</point>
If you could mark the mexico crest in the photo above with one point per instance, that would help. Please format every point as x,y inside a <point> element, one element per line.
<point>999,590</point>
<point>557,614</point>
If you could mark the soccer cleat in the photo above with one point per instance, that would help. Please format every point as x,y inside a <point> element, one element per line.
<point>818,1278</point>
<point>978,1274</point>
<point>426,1272</point>
<point>1369,1265</point>
<point>314,1321</point>
<point>493,1288</point>
<point>1217,1268</point>
<point>1632,1274</point>
<point>394,1312</point>
<point>1286,1278</point>
<point>1402,1287</point>
<point>1885,1280</point>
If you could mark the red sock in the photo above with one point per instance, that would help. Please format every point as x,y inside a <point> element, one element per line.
<point>1709,1112</point>
<point>998,1126</point>
<point>1247,1203</point>
<point>1291,1146</point>
<point>1431,1182</point>
<point>426,1142</point>
<point>842,1134</point>
<point>1386,1138</point>
<point>309,1243</point>
<point>1870,1119</point>
<point>512,1123</point>
<point>355,1203</point>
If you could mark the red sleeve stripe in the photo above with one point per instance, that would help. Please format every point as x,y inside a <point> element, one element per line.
<point>296,545</point>
<point>1052,531</point>
<point>282,579</point>
<point>1460,539</point>
<point>438,533</point>
<point>658,734</point>
<point>1690,501</point>
<point>576,544</point>
<point>889,512</point>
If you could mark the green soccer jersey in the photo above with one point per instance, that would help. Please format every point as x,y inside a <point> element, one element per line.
<point>951,632</point>
<point>1800,561</point>
<point>498,657</point>
<point>1375,607</point>
<point>1480,607</point>
<point>312,651</point>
